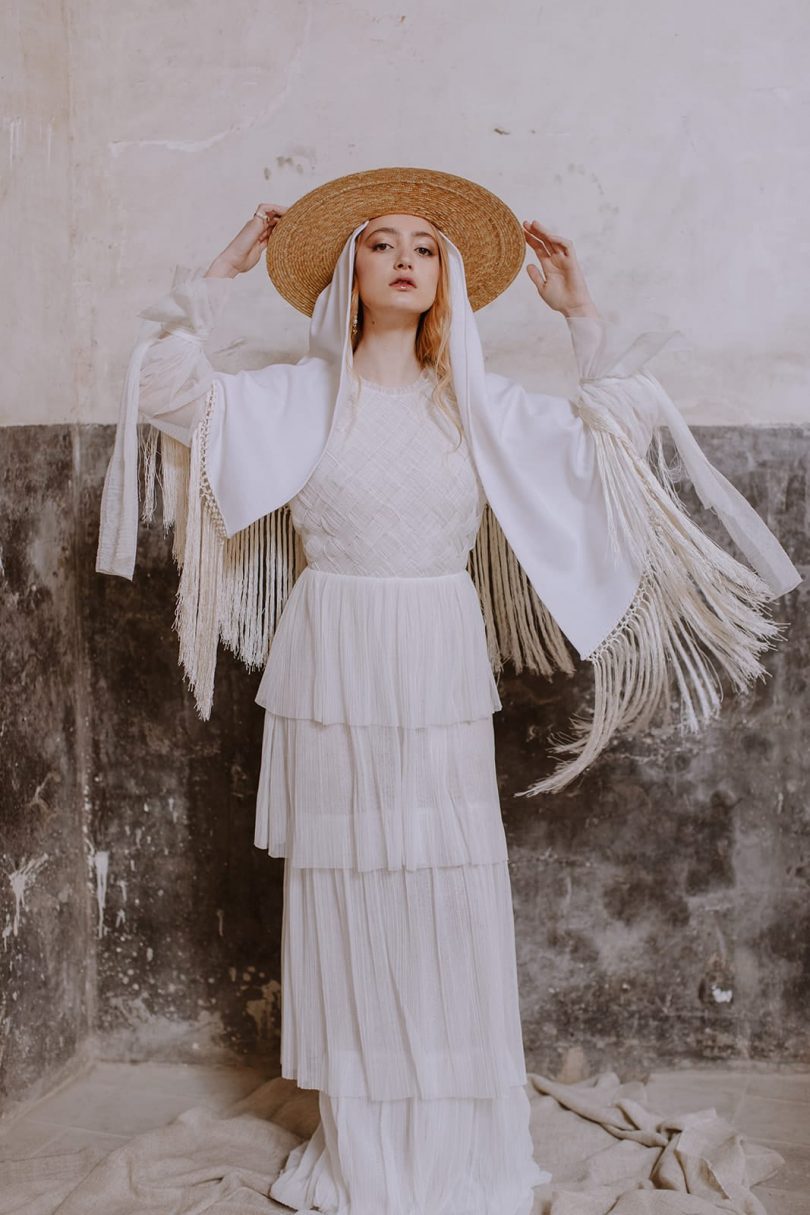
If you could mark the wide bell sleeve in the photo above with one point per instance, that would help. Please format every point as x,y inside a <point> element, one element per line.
<point>176,373</point>
<point>165,387</point>
<point>232,588</point>
<point>698,612</point>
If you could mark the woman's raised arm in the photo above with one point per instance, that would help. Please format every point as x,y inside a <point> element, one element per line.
<point>166,384</point>
<point>175,373</point>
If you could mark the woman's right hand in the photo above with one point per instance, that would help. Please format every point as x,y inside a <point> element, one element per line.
<point>246,247</point>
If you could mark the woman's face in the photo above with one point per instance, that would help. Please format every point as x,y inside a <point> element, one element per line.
<point>392,250</point>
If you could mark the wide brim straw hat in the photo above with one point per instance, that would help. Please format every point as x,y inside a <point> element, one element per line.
<point>307,241</point>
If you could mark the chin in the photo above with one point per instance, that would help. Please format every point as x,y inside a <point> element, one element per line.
<point>408,306</point>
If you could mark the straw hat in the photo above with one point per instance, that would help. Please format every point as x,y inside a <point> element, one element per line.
<point>307,241</point>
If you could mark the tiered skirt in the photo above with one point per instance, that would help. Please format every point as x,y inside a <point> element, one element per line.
<point>399,996</point>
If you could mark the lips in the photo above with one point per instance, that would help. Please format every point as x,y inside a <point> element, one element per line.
<point>402,282</point>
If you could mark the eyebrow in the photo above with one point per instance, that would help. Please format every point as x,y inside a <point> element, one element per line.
<point>395,232</point>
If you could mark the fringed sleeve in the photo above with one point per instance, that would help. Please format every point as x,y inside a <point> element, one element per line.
<point>698,613</point>
<point>519,627</point>
<point>230,589</point>
<point>165,387</point>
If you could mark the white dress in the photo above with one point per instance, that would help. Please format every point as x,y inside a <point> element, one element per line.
<point>378,785</point>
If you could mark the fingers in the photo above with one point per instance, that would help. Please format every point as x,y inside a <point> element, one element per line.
<point>539,238</point>
<point>269,214</point>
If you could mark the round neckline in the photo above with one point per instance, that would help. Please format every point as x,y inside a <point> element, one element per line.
<point>398,390</point>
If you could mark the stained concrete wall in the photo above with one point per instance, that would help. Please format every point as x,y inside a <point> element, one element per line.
<point>47,964</point>
<point>660,906</point>
<point>46,968</point>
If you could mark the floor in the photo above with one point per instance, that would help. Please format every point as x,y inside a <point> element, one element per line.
<point>770,1107</point>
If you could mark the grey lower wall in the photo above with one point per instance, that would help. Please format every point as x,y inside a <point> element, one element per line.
<point>660,905</point>
<point>47,960</point>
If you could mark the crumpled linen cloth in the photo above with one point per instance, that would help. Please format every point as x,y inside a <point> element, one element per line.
<point>607,1152</point>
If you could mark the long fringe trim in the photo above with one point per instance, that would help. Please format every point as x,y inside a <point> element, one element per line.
<point>519,627</point>
<point>697,613</point>
<point>234,590</point>
<point>230,590</point>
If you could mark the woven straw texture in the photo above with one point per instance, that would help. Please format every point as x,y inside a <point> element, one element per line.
<point>303,250</point>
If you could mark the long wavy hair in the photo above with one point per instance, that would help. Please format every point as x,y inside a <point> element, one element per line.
<point>432,343</point>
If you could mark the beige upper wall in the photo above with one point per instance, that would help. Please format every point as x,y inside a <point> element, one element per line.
<point>667,141</point>
<point>36,304</point>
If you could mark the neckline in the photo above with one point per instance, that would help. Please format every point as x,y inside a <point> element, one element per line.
<point>399,389</point>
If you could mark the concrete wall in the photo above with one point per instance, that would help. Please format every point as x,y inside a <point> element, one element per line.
<point>36,201</point>
<point>659,907</point>
<point>47,988</point>
<point>666,141</point>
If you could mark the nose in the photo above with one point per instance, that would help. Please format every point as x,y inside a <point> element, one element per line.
<point>403,260</point>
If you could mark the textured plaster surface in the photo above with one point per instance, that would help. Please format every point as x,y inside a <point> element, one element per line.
<point>668,142</point>
<point>660,904</point>
<point>46,962</point>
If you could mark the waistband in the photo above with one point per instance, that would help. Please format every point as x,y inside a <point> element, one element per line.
<point>454,575</point>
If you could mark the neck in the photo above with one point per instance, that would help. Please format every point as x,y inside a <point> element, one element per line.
<point>386,352</point>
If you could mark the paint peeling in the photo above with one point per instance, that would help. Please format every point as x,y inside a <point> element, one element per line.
<point>20,880</point>
<point>171,145</point>
<point>721,995</point>
<point>37,799</point>
<point>101,864</point>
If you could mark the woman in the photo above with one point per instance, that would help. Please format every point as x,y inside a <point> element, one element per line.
<point>334,506</point>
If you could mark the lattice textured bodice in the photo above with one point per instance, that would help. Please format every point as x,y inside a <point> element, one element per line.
<point>392,495</point>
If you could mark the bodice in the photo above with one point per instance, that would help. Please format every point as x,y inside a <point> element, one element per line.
<point>394,494</point>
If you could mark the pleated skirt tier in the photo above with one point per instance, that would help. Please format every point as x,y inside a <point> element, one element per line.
<point>399,996</point>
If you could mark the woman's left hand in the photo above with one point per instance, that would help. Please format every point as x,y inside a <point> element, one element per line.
<point>562,285</point>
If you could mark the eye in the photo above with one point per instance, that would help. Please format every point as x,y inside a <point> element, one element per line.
<point>425,249</point>
<point>381,244</point>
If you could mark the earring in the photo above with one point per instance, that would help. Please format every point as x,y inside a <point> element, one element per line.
<point>354,325</point>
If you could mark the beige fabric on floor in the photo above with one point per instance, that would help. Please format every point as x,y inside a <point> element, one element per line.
<point>606,1149</point>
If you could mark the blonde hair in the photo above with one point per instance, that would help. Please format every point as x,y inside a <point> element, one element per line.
<point>432,343</point>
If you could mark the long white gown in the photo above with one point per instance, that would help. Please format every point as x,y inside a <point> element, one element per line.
<point>378,785</point>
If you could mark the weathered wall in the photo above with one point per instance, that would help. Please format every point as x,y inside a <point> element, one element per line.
<point>668,145</point>
<point>37,318</point>
<point>667,141</point>
<point>660,905</point>
<point>46,970</point>
<point>46,967</point>
<point>188,936</point>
